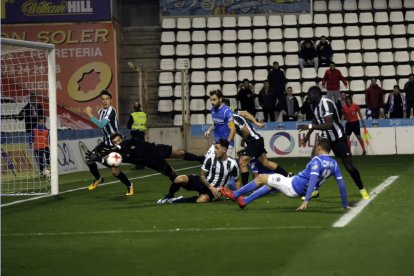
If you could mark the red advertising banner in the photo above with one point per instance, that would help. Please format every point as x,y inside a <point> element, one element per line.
<point>86,59</point>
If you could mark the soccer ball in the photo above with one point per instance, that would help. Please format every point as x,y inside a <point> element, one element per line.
<point>114,159</point>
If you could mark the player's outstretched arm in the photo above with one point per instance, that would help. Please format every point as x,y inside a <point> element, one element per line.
<point>342,188</point>
<point>251,118</point>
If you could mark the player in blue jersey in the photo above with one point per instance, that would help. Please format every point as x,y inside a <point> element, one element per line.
<point>313,176</point>
<point>223,125</point>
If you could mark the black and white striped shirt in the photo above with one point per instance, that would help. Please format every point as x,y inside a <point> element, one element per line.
<point>219,172</point>
<point>112,127</point>
<point>240,122</point>
<point>325,108</point>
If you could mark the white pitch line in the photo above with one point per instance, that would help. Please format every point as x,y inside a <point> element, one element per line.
<point>82,188</point>
<point>150,231</point>
<point>351,214</point>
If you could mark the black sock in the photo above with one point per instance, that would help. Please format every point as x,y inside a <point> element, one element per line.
<point>173,189</point>
<point>124,179</point>
<point>357,178</point>
<point>192,157</point>
<point>94,170</point>
<point>192,199</point>
<point>245,178</point>
<point>281,171</point>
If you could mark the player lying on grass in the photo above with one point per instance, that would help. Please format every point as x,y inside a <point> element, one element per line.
<point>146,154</point>
<point>215,173</point>
<point>315,174</point>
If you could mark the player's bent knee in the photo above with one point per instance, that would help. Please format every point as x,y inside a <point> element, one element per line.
<point>203,199</point>
<point>181,180</point>
<point>261,179</point>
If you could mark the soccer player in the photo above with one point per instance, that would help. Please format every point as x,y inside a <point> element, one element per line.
<point>350,112</point>
<point>317,171</point>
<point>108,123</point>
<point>223,124</point>
<point>215,173</point>
<point>327,120</point>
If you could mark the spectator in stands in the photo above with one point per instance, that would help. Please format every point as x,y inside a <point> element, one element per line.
<point>267,101</point>
<point>324,52</point>
<point>409,94</point>
<point>396,105</point>
<point>137,123</point>
<point>331,81</point>
<point>277,82</point>
<point>307,55</point>
<point>307,109</point>
<point>340,103</point>
<point>41,145</point>
<point>246,97</point>
<point>374,99</point>
<point>290,110</point>
<point>350,112</point>
<point>30,113</point>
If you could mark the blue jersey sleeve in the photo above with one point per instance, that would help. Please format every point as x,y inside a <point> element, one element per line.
<point>228,116</point>
<point>100,124</point>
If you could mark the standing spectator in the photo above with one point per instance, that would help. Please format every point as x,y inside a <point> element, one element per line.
<point>277,82</point>
<point>267,101</point>
<point>291,109</point>
<point>331,80</point>
<point>340,103</point>
<point>307,55</point>
<point>324,52</point>
<point>409,93</point>
<point>30,113</point>
<point>137,123</point>
<point>41,145</point>
<point>396,104</point>
<point>374,99</point>
<point>307,110</point>
<point>350,112</point>
<point>246,97</point>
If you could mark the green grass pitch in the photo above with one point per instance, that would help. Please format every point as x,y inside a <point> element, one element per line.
<point>102,232</point>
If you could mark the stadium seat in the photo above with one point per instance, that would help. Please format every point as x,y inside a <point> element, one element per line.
<point>305,86</point>
<point>408,4</point>
<point>245,74</point>
<point>290,20</point>
<point>199,23</point>
<point>365,17</point>
<point>209,119</point>
<point>404,70</point>
<point>183,36</point>
<point>306,32</point>
<point>167,64</point>
<point>383,30</point>
<point>177,77</point>
<point>260,48</point>
<point>399,43</point>
<point>197,90</point>
<point>343,70</point>
<point>357,86</point>
<point>279,59</point>
<point>339,58</point>
<point>260,75</point>
<point>229,22</point>
<point>213,36</point>
<point>167,50</point>
<point>213,62</point>
<point>352,31</point>
<point>166,78</point>
<point>395,4</point>
<point>244,21</point>
<point>244,48</point>
<point>213,22</point>
<point>183,23</point>
<point>409,16</point>
<point>359,99</point>
<point>338,45</point>
<point>213,76</point>
<point>198,77</point>
<point>211,87</point>
<point>396,17</point>
<point>308,73</point>
<point>320,31</point>
<point>320,19</point>
<point>354,58</point>
<point>410,29</point>
<point>351,18</point>
<point>384,43</point>
<point>367,31</point>
<point>319,6</point>
<point>259,34</point>
<point>213,49</point>
<point>260,61</point>
<point>178,119</point>
<point>401,56</point>
<point>411,42</point>
<point>165,91</point>
<point>230,76</point>
<point>356,71</point>
<point>296,86</point>
<point>167,37</point>
<point>257,87</point>
<point>372,71</point>
<point>336,19</point>
<point>182,50</point>
<point>244,34</point>
<point>197,119</point>
<point>337,32</point>
<point>229,62</point>
<point>165,105</point>
<point>245,62</point>
<point>182,63</point>
<point>364,5</point>
<point>293,74</point>
<point>177,91</point>
<point>259,21</point>
<point>350,5</point>
<point>388,84</point>
<point>321,71</point>
<point>291,60</point>
<point>387,71</point>
<point>229,48</point>
<point>335,5</point>
<point>229,89</point>
<point>380,4</point>
<point>369,44</point>
<point>371,57</point>
<point>198,36</point>
<point>381,17</point>
<point>168,23</point>
<point>290,47</point>
<point>197,105</point>
<point>305,19</point>
<point>198,49</point>
<point>353,45</point>
<point>274,20</point>
<point>178,105</point>
<point>398,29</point>
<point>275,34</point>
<point>290,33</point>
<point>385,57</point>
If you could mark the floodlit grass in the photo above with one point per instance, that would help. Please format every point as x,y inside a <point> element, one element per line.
<point>103,232</point>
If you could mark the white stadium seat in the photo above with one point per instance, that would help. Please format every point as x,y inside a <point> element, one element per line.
<point>178,120</point>
<point>229,89</point>
<point>350,5</point>
<point>364,5</point>
<point>291,46</point>
<point>165,105</point>
<point>387,71</point>
<point>230,76</point>
<point>337,32</point>
<point>245,74</point>
<point>244,48</point>
<point>229,48</point>
<point>182,50</point>
<point>244,21</point>
<point>178,105</point>
<point>372,71</point>
<point>167,50</point>
<point>290,33</point>
<point>167,64</point>
<point>383,30</point>
<point>291,60</point>
<point>356,71</point>
<point>244,34</point>
<point>198,119</point>
<point>198,49</point>
<point>290,20</point>
<point>260,61</point>
<point>214,35</point>
<point>229,62</point>
<point>198,77</point>
<point>229,22</point>
<point>381,17</point>
<point>353,44</point>
<point>354,58</point>
<point>274,20</point>
<point>166,78</point>
<point>401,56</point>
<point>259,21</point>
<point>351,18</point>
<point>320,19</point>
<point>305,19</point>
<point>385,57</point>
<point>369,44</point>
<point>245,62</point>
<point>396,17</point>
<point>260,48</point>
<point>380,4</point>
<point>335,5</point>
<point>366,17</point>
<point>213,76</point>
<point>183,23</point>
<point>168,23</point>
<point>371,57</point>
<point>213,49</point>
<point>198,36</point>
<point>183,36</point>
<point>213,62</point>
<point>197,90</point>
<point>167,37</point>
<point>213,22</point>
<point>199,23</point>
<point>319,5</point>
<point>275,34</point>
<point>395,4</point>
<point>197,105</point>
<point>165,91</point>
<point>336,19</point>
<point>259,34</point>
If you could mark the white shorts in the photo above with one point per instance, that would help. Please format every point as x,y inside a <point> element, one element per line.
<point>230,151</point>
<point>283,184</point>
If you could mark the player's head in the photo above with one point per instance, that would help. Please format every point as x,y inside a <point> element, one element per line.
<point>32,97</point>
<point>220,148</point>
<point>348,100</point>
<point>332,65</point>
<point>106,98</point>
<point>216,98</point>
<point>116,138</point>
<point>315,94</point>
<point>323,146</point>
<point>42,120</point>
<point>137,106</point>
<point>396,89</point>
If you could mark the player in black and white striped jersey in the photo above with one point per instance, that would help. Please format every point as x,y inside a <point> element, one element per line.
<point>328,121</point>
<point>108,123</point>
<point>215,173</point>
<point>253,143</point>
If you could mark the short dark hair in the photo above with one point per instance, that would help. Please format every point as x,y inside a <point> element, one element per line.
<point>324,144</point>
<point>411,75</point>
<point>245,80</point>
<point>116,134</point>
<point>106,92</point>
<point>222,142</point>
<point>315,90</point>
<point>349,98</point>
<point>217,92</point>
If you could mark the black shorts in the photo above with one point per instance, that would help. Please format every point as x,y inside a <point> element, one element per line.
<point>194,184</point>
<point>157,161</point>
<point>341,149</point>
<point>352,127</point>
<point>255,148</point>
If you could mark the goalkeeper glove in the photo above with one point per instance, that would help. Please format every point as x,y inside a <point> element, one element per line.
<point>92,156</point>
